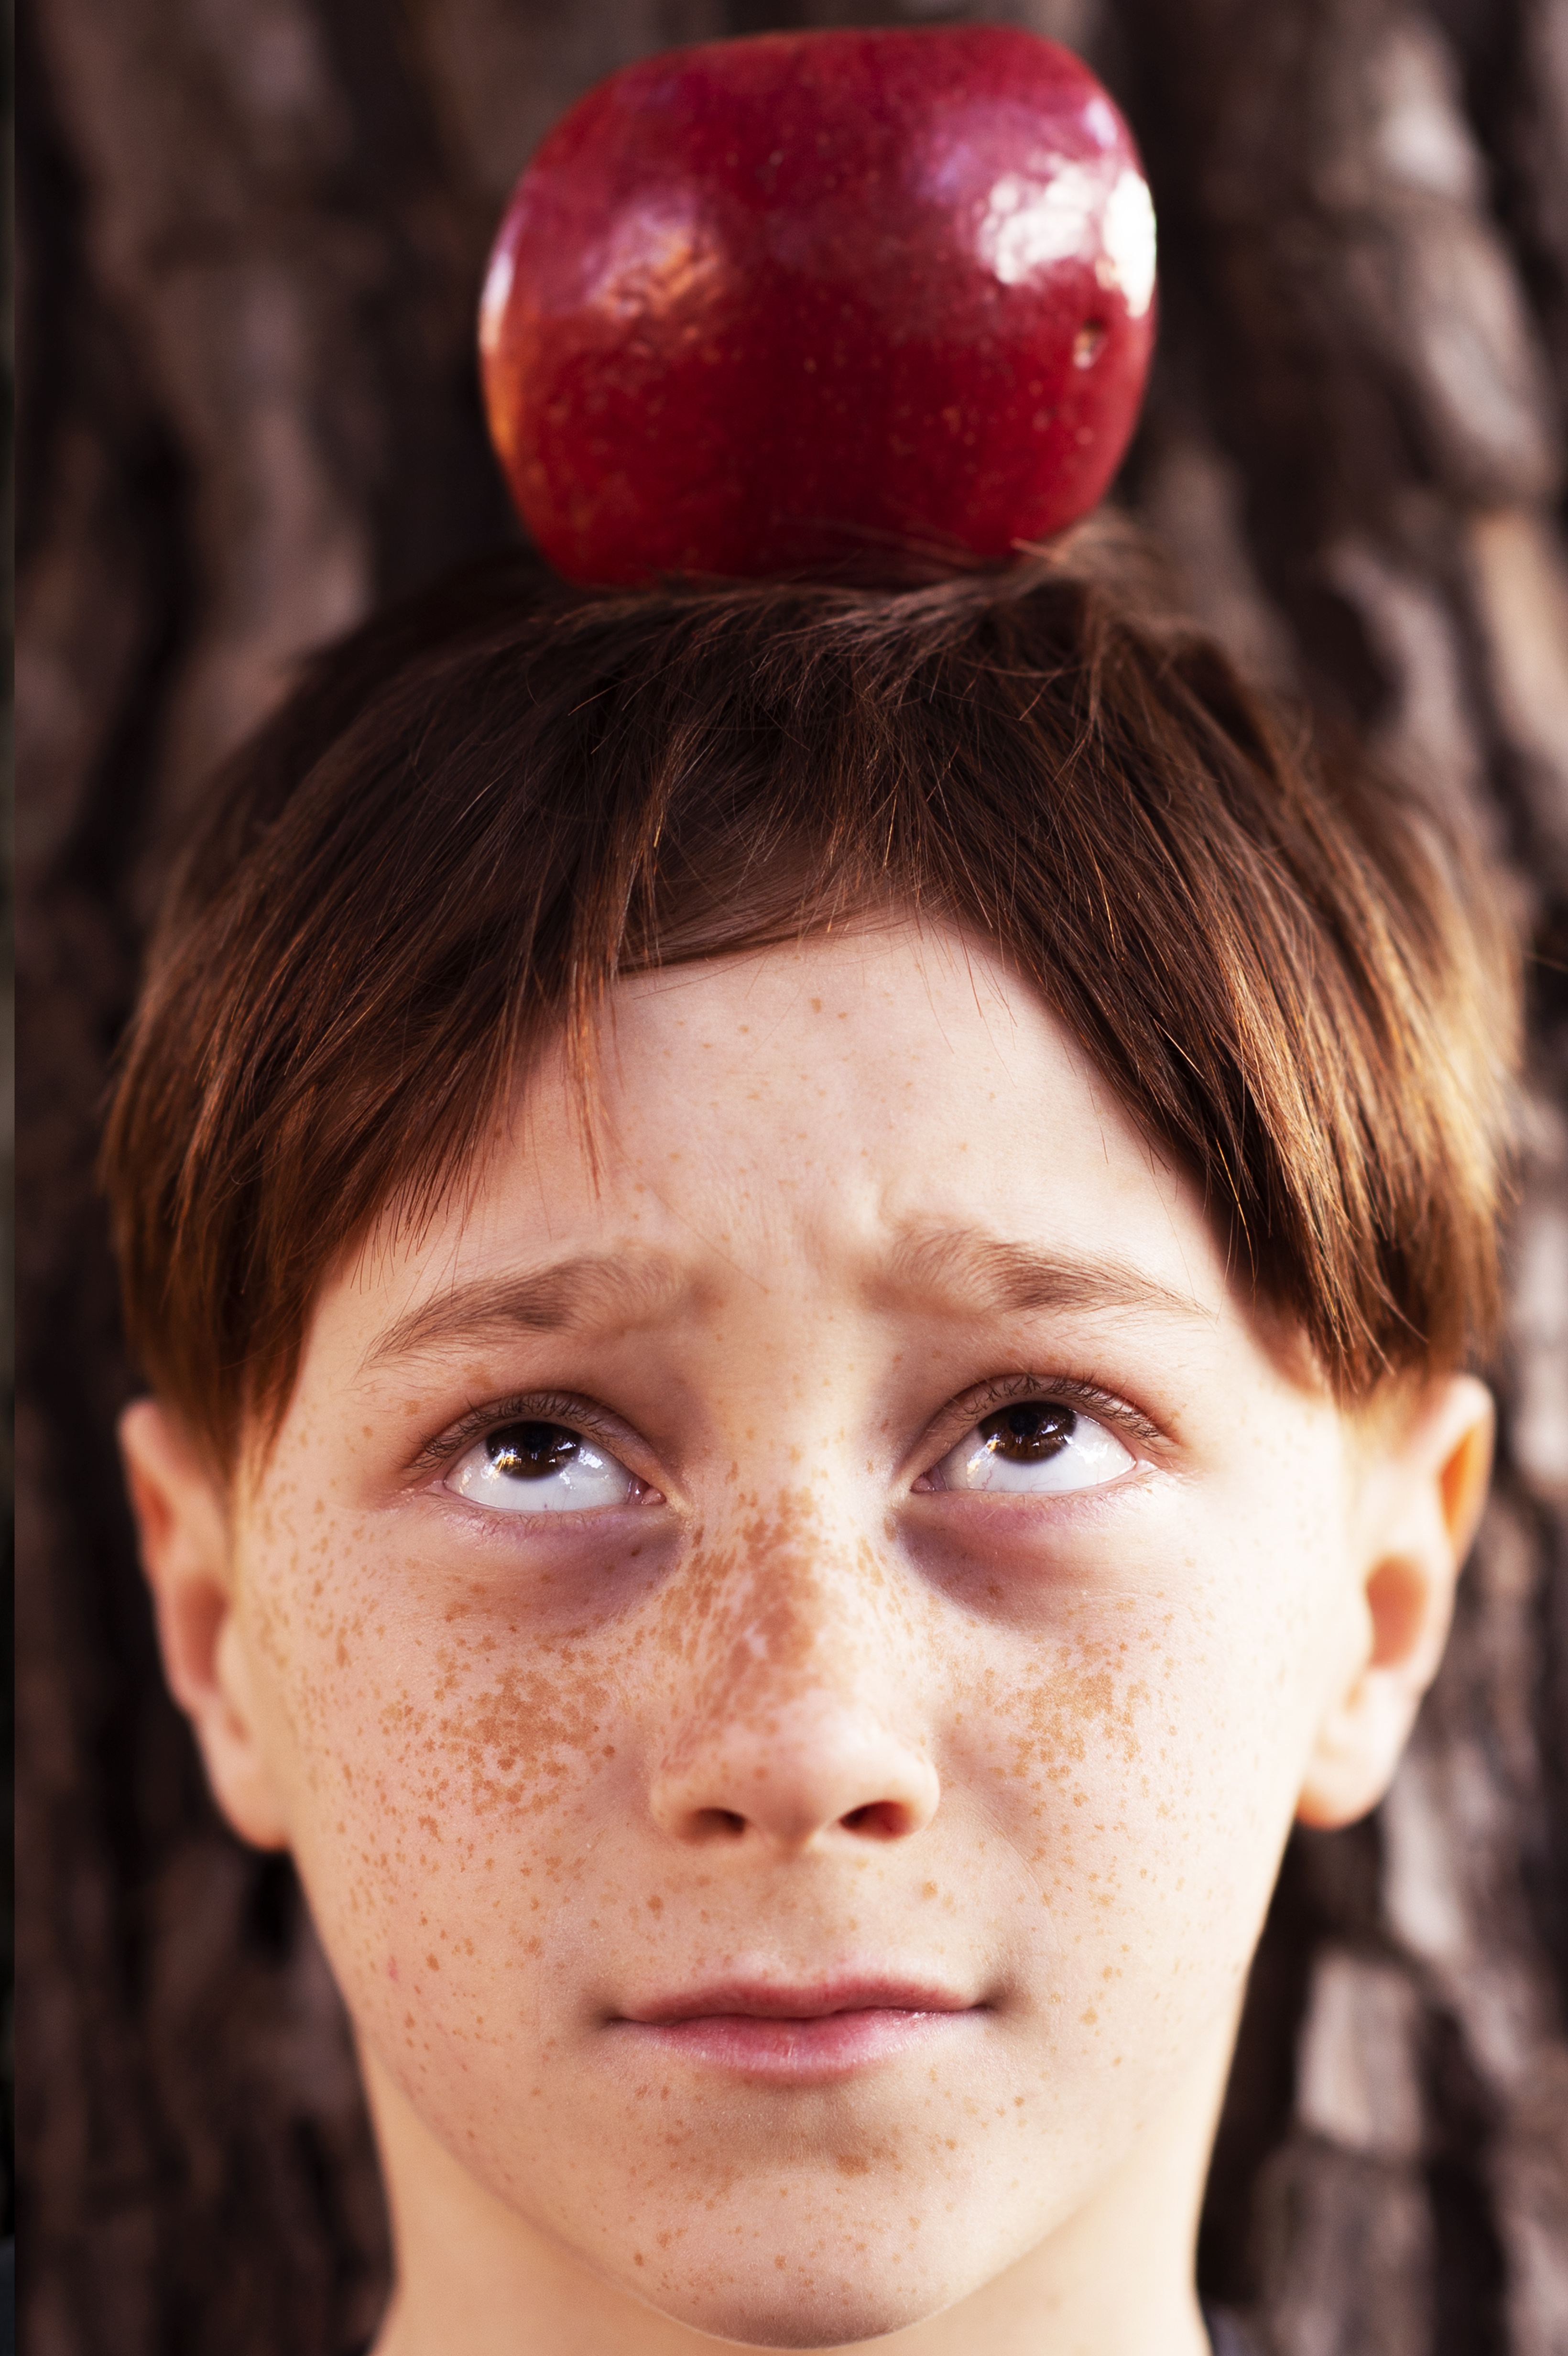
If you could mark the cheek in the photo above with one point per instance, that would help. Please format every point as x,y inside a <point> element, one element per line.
<point>445,1770</point>
<point>1142,1743</point>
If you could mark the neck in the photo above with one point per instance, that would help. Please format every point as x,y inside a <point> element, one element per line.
<point>1115,2279</point>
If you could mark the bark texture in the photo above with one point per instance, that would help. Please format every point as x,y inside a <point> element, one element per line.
<point>251,238</point>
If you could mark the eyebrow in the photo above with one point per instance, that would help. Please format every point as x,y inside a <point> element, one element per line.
<point>971,1268</point>
<point>959,1266</point>
<point>594,1289</point>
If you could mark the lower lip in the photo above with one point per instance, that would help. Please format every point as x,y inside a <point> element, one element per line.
<point>798,2052</point>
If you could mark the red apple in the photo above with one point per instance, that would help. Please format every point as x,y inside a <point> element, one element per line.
<point>870,303</point>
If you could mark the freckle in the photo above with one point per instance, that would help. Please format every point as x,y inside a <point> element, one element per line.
<point>656,1906</point>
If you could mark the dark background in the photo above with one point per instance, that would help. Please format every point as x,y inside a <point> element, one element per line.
<point>251,237</point>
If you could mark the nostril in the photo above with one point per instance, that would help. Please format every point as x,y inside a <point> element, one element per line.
<point>718,1824</point>
<point>880,1820</point>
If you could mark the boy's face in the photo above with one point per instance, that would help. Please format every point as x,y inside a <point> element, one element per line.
<point>786,1643</point>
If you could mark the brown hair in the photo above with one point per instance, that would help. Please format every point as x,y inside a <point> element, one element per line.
<point>478,810</point>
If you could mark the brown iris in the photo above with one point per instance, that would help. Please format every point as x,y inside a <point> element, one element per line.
<point>532,1451</point>
<point>1028,1433</point>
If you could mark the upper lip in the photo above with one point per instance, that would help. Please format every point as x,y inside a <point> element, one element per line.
<point>814,2000</point>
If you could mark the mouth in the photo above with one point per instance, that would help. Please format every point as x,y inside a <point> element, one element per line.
<point>802,2035</point>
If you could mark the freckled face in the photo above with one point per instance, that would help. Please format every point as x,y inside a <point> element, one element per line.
<point>789,1661</point>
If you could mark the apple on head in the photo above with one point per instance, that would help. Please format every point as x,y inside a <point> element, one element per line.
<point>875,305</point>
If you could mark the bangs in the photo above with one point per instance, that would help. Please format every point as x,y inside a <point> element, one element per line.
<point>479,812</point>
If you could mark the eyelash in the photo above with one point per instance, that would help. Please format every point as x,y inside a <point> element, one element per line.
<point>438,1455</point>
<point>1071,1390</point>
<point>970,1407</point>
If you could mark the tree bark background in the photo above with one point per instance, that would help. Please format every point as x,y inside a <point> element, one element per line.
<point>252,236</point>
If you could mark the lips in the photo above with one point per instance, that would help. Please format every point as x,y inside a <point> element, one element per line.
<point>806,2034</point>
<point>766,2000</point>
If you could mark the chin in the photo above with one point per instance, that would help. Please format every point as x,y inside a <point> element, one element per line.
<point>825,2255</point>
<point>831,2295</point>
<point>823,2314</point>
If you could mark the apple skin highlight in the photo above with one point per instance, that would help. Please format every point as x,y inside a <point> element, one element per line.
<point>872,304</point>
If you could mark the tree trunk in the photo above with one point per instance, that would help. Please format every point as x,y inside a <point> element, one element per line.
<point>251,241</point>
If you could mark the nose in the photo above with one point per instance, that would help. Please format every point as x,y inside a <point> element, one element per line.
<point>795,1723</point>
<point>797,1780</point>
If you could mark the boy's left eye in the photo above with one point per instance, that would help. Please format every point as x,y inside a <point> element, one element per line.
<point>1038,1447</point>
<point>542,1468</point>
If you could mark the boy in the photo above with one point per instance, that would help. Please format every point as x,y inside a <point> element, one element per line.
<point>806,1261</point>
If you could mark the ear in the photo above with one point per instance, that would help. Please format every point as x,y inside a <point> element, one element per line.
<point>1429,1464</point>
<point>181,1522</point>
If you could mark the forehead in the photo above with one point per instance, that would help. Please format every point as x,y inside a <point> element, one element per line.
<point>888,1105</point>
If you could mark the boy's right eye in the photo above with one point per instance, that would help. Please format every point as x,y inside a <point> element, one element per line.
<point>532,1467</point>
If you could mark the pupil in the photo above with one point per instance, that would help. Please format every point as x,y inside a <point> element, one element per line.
<point>1029,1433</point>
<point>531,1452</point>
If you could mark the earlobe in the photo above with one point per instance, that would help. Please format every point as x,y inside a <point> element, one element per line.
<point>178,1510</point>
<point>1425,1488</point>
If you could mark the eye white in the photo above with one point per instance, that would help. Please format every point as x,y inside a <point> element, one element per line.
<point>535,1467</point>
<point>1038,1448</point>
